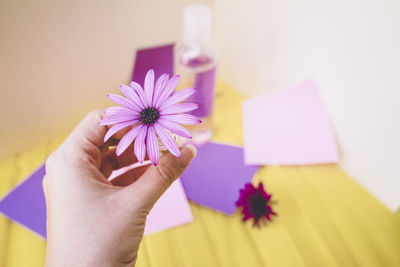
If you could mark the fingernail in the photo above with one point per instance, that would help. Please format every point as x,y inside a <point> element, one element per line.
<point>192,150</point>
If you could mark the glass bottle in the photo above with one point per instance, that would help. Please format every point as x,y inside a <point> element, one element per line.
<point>195,62</point>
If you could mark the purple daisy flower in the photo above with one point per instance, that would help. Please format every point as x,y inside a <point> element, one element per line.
<point>154,111</point>
<point>255,203</point>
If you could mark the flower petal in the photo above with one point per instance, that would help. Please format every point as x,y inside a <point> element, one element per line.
<point>174,127</point>
<point>178,97</point>
<point>185,119</point>
<point>264,194</point>
<point>139,91</point>
<point>167,140</point>
<point>178,108</point>
<point>160,83</point>
<point>269,209</point>
<point>168,89</point>
<point>246,217</point>
<point>112,110</point>
<point>118,127</point>
<point>152,145</point>
<point>120,100</point>
<point>132,96</point>
<point>140,145</point>
<point>250,189</point>
<point>118,118</point>
<point>128,139</point>
<point>149,87</point>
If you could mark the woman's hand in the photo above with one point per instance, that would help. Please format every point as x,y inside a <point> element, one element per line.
<point>90,220</point>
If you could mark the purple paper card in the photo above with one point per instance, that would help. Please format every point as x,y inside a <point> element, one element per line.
<point>160,58</point>
<point>26,204</point>
<point>215,176</point>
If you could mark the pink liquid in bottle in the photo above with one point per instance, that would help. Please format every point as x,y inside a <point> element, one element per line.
<point>195,62</point>
<point>200,73</point>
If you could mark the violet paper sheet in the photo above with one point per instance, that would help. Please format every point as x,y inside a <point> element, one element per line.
<point>160,58</point>
<point>26,205</point>
<point>215,176</point>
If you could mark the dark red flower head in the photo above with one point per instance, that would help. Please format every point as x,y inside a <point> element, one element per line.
<point>255,203</point>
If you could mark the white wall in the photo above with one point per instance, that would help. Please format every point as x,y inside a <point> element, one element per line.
<point>350,47</point>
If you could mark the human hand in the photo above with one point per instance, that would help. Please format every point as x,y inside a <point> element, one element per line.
<point>90,220</point>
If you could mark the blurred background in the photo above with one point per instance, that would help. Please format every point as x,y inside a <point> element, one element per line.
<point>60,58</point>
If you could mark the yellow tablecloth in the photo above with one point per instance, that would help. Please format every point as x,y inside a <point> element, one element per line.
<point>325,218</point>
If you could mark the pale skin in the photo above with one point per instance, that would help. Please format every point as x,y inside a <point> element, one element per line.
<point>90,220</point>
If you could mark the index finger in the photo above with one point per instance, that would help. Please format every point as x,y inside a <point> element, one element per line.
<point>89,131</point>
<point>87,139</point>
<point>84,142</point>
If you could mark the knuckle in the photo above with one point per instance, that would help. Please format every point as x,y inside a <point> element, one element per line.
<point>51,161</point>
<point>96,114</point>
<point>44,184</point>
<point>167,175</point>
<point>54,162</point>
<point>92,154</point>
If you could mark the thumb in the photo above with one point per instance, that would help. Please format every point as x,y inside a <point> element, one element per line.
<point>156,180</point>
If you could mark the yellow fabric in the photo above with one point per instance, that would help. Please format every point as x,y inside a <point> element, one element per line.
<point>325,218</point>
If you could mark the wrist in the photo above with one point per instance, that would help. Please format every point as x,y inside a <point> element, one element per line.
<point>60,256</point>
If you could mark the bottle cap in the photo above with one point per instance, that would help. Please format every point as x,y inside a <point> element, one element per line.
<point>197,23</point>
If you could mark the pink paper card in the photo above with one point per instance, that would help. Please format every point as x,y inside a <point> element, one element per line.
<point>171,210</point>
<point>288,127</point>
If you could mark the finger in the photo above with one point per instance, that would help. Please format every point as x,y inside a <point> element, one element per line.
<point>86,139</point>
<point>89,130</point>
<point>130,175</point>
<point>146,190</point>
<point>111,161</point>
<point>44,186</point>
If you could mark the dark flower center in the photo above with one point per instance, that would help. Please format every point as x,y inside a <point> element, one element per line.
<point>149,115</point>
<point>257,205</point>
